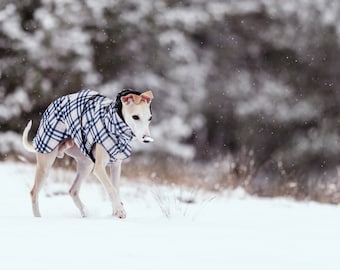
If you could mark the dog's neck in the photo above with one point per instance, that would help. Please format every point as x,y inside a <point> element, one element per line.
<point>115,123</point>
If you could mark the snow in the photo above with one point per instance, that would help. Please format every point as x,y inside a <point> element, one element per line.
<point>217,231</point>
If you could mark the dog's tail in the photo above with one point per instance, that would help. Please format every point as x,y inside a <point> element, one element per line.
<point>28,146</point>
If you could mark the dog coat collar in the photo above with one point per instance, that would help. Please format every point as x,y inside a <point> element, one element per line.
<point>88,118</point>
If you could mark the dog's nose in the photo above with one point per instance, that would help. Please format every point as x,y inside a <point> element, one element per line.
<point>147,139</point>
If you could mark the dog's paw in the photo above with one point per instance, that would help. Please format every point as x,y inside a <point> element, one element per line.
<point>119,212</point>
<point>83,213</point>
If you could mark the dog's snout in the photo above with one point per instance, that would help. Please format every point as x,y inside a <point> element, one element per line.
<point>147,139</point>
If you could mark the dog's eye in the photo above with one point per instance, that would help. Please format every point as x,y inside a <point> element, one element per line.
<point>135,117</point>
<point>150,118</point>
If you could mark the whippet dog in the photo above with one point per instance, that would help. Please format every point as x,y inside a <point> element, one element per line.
<point>96,131</point>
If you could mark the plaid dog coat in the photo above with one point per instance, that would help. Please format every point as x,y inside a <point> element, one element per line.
<point>88,118</point>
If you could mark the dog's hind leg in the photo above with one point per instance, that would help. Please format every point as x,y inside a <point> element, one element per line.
<point>44,164</point>
<point>84,168</point>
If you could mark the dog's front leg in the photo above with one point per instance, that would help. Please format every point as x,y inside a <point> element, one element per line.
<point>102,159</point>
<point>115,172</point>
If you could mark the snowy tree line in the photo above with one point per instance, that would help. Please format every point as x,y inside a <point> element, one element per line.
<point>259,75</point>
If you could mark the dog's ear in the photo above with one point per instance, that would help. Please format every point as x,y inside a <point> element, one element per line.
<point>147,96</point>
<point>127,99</point>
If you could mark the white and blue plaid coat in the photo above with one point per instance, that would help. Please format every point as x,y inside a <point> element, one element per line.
<point>88,118</point>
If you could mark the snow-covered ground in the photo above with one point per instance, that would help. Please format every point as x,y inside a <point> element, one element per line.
<point>224,231</point>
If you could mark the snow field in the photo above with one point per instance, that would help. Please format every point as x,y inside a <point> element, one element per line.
<point>216,231</point>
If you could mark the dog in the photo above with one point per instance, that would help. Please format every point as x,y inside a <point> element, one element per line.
<point>94,130</point>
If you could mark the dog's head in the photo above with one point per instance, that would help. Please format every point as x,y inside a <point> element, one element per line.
<point>136,112</point>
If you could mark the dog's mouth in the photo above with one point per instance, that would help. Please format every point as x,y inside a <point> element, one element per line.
<point>147,139</point>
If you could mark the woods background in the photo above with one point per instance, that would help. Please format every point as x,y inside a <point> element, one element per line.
<point>246,92</point>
